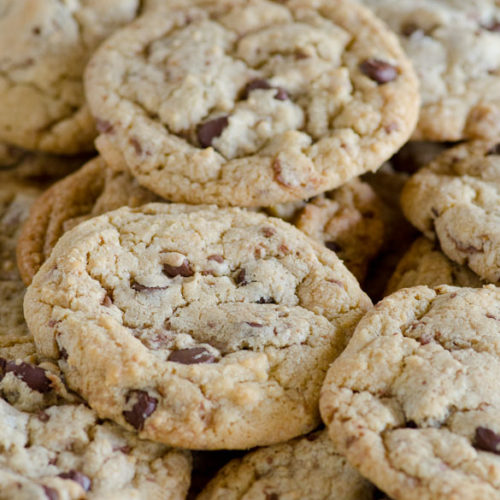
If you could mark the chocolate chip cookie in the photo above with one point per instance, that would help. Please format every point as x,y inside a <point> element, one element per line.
<point>198,327</point>
<point>425,264</point>
<point>455,49</point>
<point>92,190</point>
<point>347,221</point>
<point>413,400</point>
<point>44,47</point>
<point>67,452</point>
<point>286,99</point>
<point>456,200</point>
<point>308,468</point>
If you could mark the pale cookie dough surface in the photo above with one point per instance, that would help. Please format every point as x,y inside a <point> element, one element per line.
<point>91,191</point>
<point>66,452</point>
<point>199,327</point>
<point>425,264</point>
<point>413,401</point>
<point>305,468</point>
<point>16,199</point>
<point>286,99</point>
<point>347,221</point>
<point>44,47</point>
<point>454,46</point>
<point>457,199</point>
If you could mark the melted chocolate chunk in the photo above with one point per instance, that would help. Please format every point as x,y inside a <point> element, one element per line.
<point>253,324</point>
<point>281,95</point>
<point>217,258</point>
<point>379,71</point>
<point>192,356</point>
<point>183,270</point>
<point>240,278</point>
<point>208,131</point>
<point>487,440</point>
<point>78,477</point>
<point>144,406</point>
<point>272,496</point>
<point>254,85</point>
<point>266,300</point>
<point>50,493</point>
<point>32,375</point>
<point>143,288</point>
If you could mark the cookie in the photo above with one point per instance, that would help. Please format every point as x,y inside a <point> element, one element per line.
<point>68,452</point>
<point>425,264</point>
<point>44,47</point>
<point>202,328</point>
<point>308,467</point>
<point>16,198</point>
<point>455,49</point>
<point>455,199</point>
<point>92,190</point>
<point>286,99</point>
<point>347,221</point>
<point>413,400</point>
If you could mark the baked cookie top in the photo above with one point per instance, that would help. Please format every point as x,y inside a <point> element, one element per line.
<point>67,452</point>
<point>251,103</point>
<point>44,47</point>
<point>91,191</point>
<point>456,199</point>
<point>308,467</point>
<point>199,327</point>
<point>413,400</point>
<point>425,264</point>
<point>348,221</point>
<point>454,46</point>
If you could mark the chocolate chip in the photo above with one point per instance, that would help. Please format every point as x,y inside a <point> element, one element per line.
<point>192,356</point>
<point>495,150</point>
<point>144,406</point>
<point>208,131</point>
<point>52,323</point>
<point>281,95</point>
<point>266,300</point>
<point>254,85</point>
<point>332,245</point>
<point>183,270</point>
<point>36,30</point>
<point>254,325</point>
<point>32,375</point>
<point>240,278</point>
<point>63,353</point>
<point>411,424</point>
<point>487,440</point>
<point>272,496</point>
<point>136,144</point>
<point>379,71</point>
<point>43,416</point>
<point>217,258</point>
<point>143,288</point>
<point>78,477</point>
<point>103,126</point>
<point>50,493</point>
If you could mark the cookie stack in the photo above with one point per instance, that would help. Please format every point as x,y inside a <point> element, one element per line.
<point>188,309</point>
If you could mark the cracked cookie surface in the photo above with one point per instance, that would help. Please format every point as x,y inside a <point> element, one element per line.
<point>425,264</point>
<point>307,467</point>
<point>91,191</point>
<point>413,400</point>
<point>456,199</point>
<point>66,452</point>
<point>199,327</point>
<point>44,47</point>
<point>287,99</point>
<point>454,46</point>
